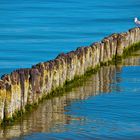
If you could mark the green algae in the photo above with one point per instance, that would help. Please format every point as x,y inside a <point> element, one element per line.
<point>129,51</point>
<point>18,115</point>
<point>68,85</point>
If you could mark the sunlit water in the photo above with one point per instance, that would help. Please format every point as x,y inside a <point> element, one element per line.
<point>33,31</point>
<point>106,106</point>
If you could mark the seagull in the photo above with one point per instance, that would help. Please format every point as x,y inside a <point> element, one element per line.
<point>137,22</point>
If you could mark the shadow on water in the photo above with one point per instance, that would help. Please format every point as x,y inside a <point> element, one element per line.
<point>52,113</point>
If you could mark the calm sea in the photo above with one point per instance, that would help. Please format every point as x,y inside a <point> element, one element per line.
<point>107,105</point>
<point>33,31</point>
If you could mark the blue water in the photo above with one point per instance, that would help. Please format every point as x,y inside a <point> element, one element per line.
<point>32,31</point>
<point>105,107</point>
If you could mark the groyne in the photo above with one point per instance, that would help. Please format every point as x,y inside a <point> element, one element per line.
<point>52,111</point>
<point>25,87</point>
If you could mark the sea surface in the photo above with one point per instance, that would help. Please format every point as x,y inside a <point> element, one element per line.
<point>32,31</point>
<point>107,105</point>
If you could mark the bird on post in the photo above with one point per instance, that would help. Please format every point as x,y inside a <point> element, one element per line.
<point>137,22</point>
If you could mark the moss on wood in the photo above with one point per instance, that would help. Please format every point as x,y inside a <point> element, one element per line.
<point>77,81</point>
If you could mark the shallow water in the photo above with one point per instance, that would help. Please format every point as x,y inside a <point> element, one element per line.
<point>105,106</point>
<point>33,31</point>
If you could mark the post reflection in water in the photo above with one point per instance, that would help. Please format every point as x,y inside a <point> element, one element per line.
<point>52,113</point>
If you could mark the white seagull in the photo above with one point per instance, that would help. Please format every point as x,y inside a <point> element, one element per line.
<point>137,22</point>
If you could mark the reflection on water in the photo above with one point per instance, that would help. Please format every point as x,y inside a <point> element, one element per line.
<point>51,112</point>
<point>132,60</point>
<point>53,115</point>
